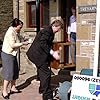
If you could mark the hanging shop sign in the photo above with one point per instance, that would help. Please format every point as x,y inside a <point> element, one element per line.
<point>87,9</point>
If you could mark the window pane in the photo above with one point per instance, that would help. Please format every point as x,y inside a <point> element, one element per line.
<point>33,12</point>
<point>45,13</point>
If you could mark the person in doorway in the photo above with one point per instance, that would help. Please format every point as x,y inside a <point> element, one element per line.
<point>11,44</point>
<point>40,52</point>
<point>73,35</point>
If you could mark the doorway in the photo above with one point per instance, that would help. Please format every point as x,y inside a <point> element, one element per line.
<point>65,13</point>
<point>67,50</point>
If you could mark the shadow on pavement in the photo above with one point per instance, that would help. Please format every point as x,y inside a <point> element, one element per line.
<point>62,76</point>
<point>26,83</point>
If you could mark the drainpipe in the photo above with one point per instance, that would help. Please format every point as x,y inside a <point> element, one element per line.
<point>57,7</point>
<point>38,15</point>
<point>19,49</point>
<point>18,9</point>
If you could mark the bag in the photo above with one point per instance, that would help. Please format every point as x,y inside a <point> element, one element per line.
<point>88,72</point>
<point>63,90</point>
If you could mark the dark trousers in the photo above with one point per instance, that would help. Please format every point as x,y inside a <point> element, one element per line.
<point>45,77</point>
<point>73,47</point>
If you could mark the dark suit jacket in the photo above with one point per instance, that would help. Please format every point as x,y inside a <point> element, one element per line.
<point>39,51</point>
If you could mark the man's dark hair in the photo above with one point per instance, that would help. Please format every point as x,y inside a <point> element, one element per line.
<point>16,22</point>
<point>73,7</point>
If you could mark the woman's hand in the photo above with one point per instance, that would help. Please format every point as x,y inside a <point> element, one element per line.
<point>25,43</point>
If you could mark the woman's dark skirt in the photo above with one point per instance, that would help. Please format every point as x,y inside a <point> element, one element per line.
<point>10,70</point>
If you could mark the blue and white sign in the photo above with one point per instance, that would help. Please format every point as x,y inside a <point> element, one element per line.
<point>85,88</point>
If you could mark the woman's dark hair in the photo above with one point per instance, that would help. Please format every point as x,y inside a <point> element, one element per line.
<point>16,22</point>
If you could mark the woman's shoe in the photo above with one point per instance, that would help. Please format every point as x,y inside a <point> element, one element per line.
<point>17,91</point>
<point>5,97</point>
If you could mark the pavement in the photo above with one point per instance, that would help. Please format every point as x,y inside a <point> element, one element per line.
<point>29,86</point>
<point>28,92</point>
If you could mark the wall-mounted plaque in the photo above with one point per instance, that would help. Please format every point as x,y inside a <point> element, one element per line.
<point>87,9</point>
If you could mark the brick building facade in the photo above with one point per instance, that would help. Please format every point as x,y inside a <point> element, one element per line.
<point>86,25</point>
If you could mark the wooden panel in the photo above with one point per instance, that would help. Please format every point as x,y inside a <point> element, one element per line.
<point>56,64</point>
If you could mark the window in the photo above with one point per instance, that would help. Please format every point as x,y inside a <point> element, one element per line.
<point>31,6</point>
<point>45,13</point>
<point>31,13</point>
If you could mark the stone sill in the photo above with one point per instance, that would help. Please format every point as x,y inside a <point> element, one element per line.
<point>29,29</point>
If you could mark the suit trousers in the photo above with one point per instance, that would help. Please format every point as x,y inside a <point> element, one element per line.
<point>45,77</point>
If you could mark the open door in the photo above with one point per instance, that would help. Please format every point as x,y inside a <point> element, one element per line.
<point>65,13</point>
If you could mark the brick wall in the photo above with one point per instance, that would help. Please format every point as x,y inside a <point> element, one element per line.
<point>86,24</point>
<point>6,15</point>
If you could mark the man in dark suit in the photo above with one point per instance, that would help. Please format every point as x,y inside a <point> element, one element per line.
<point>40,52</point>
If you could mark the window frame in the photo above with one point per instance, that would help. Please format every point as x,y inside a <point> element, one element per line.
<point>30,25</point>
<point>29,17</point>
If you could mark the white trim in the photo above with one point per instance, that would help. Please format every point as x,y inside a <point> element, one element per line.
<point>96,49</point>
